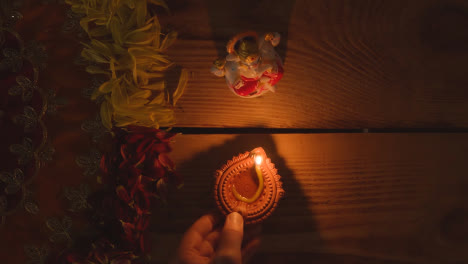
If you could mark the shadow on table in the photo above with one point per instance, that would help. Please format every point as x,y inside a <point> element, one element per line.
<point>196,197</point>
<point>228,18</point>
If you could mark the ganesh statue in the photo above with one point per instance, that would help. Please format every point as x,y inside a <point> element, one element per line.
<point>252,66</point>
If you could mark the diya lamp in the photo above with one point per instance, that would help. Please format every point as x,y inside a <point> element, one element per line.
<point>248,184</point>
<point>252,66</point>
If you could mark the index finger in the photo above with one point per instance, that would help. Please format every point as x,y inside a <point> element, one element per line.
<point>204,225</point>
<point>197,232</point>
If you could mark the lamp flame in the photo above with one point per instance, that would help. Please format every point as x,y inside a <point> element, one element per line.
<point>258,160</point>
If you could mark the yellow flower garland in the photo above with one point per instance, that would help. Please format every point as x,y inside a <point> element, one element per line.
<point>127,46</point>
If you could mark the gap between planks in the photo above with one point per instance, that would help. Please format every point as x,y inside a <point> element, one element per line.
<point>262,130</point>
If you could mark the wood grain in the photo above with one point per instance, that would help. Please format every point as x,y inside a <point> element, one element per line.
<point>350,198</point>
<point>348,64</point>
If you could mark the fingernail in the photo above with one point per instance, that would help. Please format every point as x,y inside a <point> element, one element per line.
<point>235,219</point>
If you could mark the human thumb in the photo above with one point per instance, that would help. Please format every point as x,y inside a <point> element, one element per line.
<point>230,241</point>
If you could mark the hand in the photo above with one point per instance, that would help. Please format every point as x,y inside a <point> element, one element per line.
<point>206,242</point>
<point>219,63</point>
<point>269,36</point>
<point>273,38</point>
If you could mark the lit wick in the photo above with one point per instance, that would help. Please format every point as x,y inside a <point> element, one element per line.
<point>258,161</point>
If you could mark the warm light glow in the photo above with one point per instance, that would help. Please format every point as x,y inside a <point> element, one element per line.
<point>258,160</point>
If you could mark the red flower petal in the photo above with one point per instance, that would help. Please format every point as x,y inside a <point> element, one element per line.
<point>145,243</point>
<point>100,256</point>
<point>129,230</point>
<point>103,164</point>
<point>140,161</point>
<point>125,213</point>
<point>145,181</point>
<point>74,258</point>
<point>141,212</point>
<point>161,189</point>
<point>123,149</point>
<point>123,194</point>
<point>134,172</point>
<point>177,179</point>
<point>133,138</point>
<point>124,164</point>
<point>161,148</point>
<point>121,261</point>
<point>157,173</point>
<point>145,145</point>
<point>153,167</point>
<point>142,223</point>
<point>166,136</point>
<point>166,161</point>
<point>157,163</point>
<point>140,168</point>
<point>141,200</point>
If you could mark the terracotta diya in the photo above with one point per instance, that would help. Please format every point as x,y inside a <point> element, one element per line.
<point>249,184</point>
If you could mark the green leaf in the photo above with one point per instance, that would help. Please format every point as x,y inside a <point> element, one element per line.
<point>94,56</point>
<point>160,3</point>
<point>107,86</point>
<point>140,11</point>
<point>117,30</point>
<point>156,86</point>
<point>141,94</point>
<point>183,79</point>
<point>126,46</point>
<point>122,121</point>
<point>96,70</point>
<point>101,48</point>
<point>129,3</point>
<point>106,114</point>
<point>158,100</point>
<point>98,32</point>
<point>168,40</point>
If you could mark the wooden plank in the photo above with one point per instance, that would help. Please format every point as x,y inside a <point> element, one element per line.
<point>350,198</point>
<point>348,64</point>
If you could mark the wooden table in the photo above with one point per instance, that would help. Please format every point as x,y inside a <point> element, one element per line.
<point>350,66</point>
<point>368,128</point>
